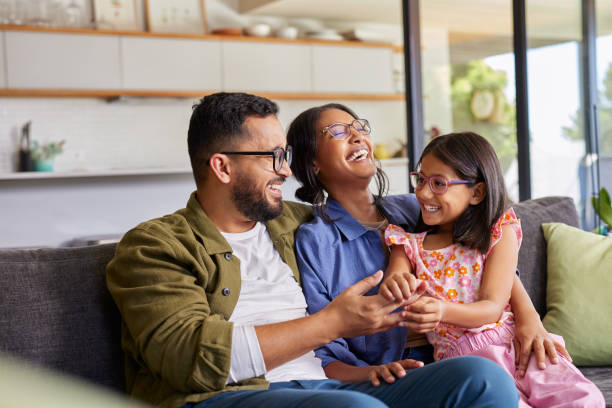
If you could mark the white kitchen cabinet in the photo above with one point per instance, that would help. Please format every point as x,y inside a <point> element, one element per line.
<point>106,64</point>
<point>2,61</point>
<point>348,69</point>
<point>173,64</point>
<point>266,67</point>
<point>62,61</point>
<point>397,171</point>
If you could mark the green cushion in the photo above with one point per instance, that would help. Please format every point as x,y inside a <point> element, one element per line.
<point>579,292</point>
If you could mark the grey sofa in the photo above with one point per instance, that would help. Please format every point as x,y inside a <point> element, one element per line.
<point>55,309</point>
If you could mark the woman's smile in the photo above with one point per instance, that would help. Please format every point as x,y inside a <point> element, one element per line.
<point>358,155</point>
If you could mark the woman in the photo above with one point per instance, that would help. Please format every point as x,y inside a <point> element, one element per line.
<point>334,163</point>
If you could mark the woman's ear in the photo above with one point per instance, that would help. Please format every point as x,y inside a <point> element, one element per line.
<point>220,166</point>
<point>315,167</point>
<point>479,192</point>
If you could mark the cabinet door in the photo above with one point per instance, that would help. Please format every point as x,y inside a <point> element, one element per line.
<point>62,61</point>
<point>170,64</point>
<point>2,62</point>
<point>266,67</point>
<point>352,69</point>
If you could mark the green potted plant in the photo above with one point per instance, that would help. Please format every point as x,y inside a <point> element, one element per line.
<point>43,155</point>
<point>603,208</point>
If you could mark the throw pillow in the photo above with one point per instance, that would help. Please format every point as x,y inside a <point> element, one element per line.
<point>579,292</point>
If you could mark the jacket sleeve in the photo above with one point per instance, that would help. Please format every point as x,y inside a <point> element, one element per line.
<point>170,327</point>
<point>314,273</point>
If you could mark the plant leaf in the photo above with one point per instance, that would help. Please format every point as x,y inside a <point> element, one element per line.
<point>603,210</point>
<point>605,197</point>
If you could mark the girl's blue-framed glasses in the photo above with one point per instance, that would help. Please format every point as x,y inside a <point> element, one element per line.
<point>437,184</point>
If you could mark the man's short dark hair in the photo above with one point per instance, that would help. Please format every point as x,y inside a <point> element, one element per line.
<point>217,124</point>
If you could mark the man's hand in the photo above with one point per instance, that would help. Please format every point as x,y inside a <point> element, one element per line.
<point>352,314</point>
<point>389,372</point>
<point>402,285</point>
<point>531,336</point>
<point>423,315</point>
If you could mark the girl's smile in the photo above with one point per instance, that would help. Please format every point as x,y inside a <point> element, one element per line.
<point>442,209</point>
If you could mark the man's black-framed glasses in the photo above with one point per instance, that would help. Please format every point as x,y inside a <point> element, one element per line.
<point>342,131</point>
<point>279,156</point>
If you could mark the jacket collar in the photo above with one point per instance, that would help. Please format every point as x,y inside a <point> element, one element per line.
<point>346,223</point>
<point>213,241</point>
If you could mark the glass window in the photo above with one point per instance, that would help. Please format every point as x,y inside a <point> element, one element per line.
<point>603,9</point>
<point>557,143</point>
<point>468,74</point>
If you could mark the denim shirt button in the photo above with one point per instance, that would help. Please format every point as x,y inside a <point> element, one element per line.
<point>226,291</point>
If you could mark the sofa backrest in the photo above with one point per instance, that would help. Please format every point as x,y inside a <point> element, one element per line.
<point>532,255</point>
<point>55,310</point>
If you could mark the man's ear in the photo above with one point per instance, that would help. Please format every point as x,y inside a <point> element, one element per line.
<point>220,167</point>
<point>479,192</point>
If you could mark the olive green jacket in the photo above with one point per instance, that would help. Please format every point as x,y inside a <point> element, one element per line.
<point>176,283</point>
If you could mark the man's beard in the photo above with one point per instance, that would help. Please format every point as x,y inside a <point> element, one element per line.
<point>252,203</point>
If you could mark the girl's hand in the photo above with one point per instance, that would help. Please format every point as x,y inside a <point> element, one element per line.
<point>532,336</point>
<point>401,285</point>
<point>423,315</point>
<point>389,372</point>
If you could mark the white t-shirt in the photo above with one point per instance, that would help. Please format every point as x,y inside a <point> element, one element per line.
<point>269,294</point>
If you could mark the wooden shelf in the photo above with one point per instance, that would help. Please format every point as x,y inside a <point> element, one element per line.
<point>117,93</point>
<point>67,30</point>
<point>38,175</point>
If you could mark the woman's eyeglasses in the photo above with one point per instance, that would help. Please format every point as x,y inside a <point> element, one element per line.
<point>341,131</point>
<point>437,184</point>
<point>279,156</point>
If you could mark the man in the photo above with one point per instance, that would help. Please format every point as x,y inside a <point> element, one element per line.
<point>213,314</point>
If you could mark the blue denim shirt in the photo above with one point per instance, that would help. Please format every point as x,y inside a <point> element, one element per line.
<point>333,256</point>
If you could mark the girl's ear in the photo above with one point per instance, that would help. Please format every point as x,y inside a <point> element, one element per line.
<point>221,168</point>
<point>479,192</point>
<point>315,167</point>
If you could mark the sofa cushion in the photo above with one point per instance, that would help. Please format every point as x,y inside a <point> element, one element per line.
<point>55,310</point>
<point>578,292</point>
<point>532,255</point>
<point>602,377</point>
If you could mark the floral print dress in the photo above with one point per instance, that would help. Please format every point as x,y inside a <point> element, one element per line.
<point>453,274</point>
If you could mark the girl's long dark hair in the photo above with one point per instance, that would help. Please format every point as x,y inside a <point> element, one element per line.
<point>473,159</point>
<point>302,136</point>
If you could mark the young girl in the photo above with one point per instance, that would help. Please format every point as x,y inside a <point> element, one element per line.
<point>467,254</point>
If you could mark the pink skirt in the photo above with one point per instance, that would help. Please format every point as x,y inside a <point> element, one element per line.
<point>559,385</point>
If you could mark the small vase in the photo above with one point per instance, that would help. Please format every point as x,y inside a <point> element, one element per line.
<point>43,165</point>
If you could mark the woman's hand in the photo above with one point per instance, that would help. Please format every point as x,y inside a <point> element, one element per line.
<point>532,336</point>
<point>389,372</point>
<point>423,315</point>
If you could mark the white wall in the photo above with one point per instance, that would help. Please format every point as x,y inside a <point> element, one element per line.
<point>130,134</point>
<point>54,212</point>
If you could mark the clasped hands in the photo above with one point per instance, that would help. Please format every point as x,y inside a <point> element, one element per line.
<point>352,314</point>
<point>357,315</point>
